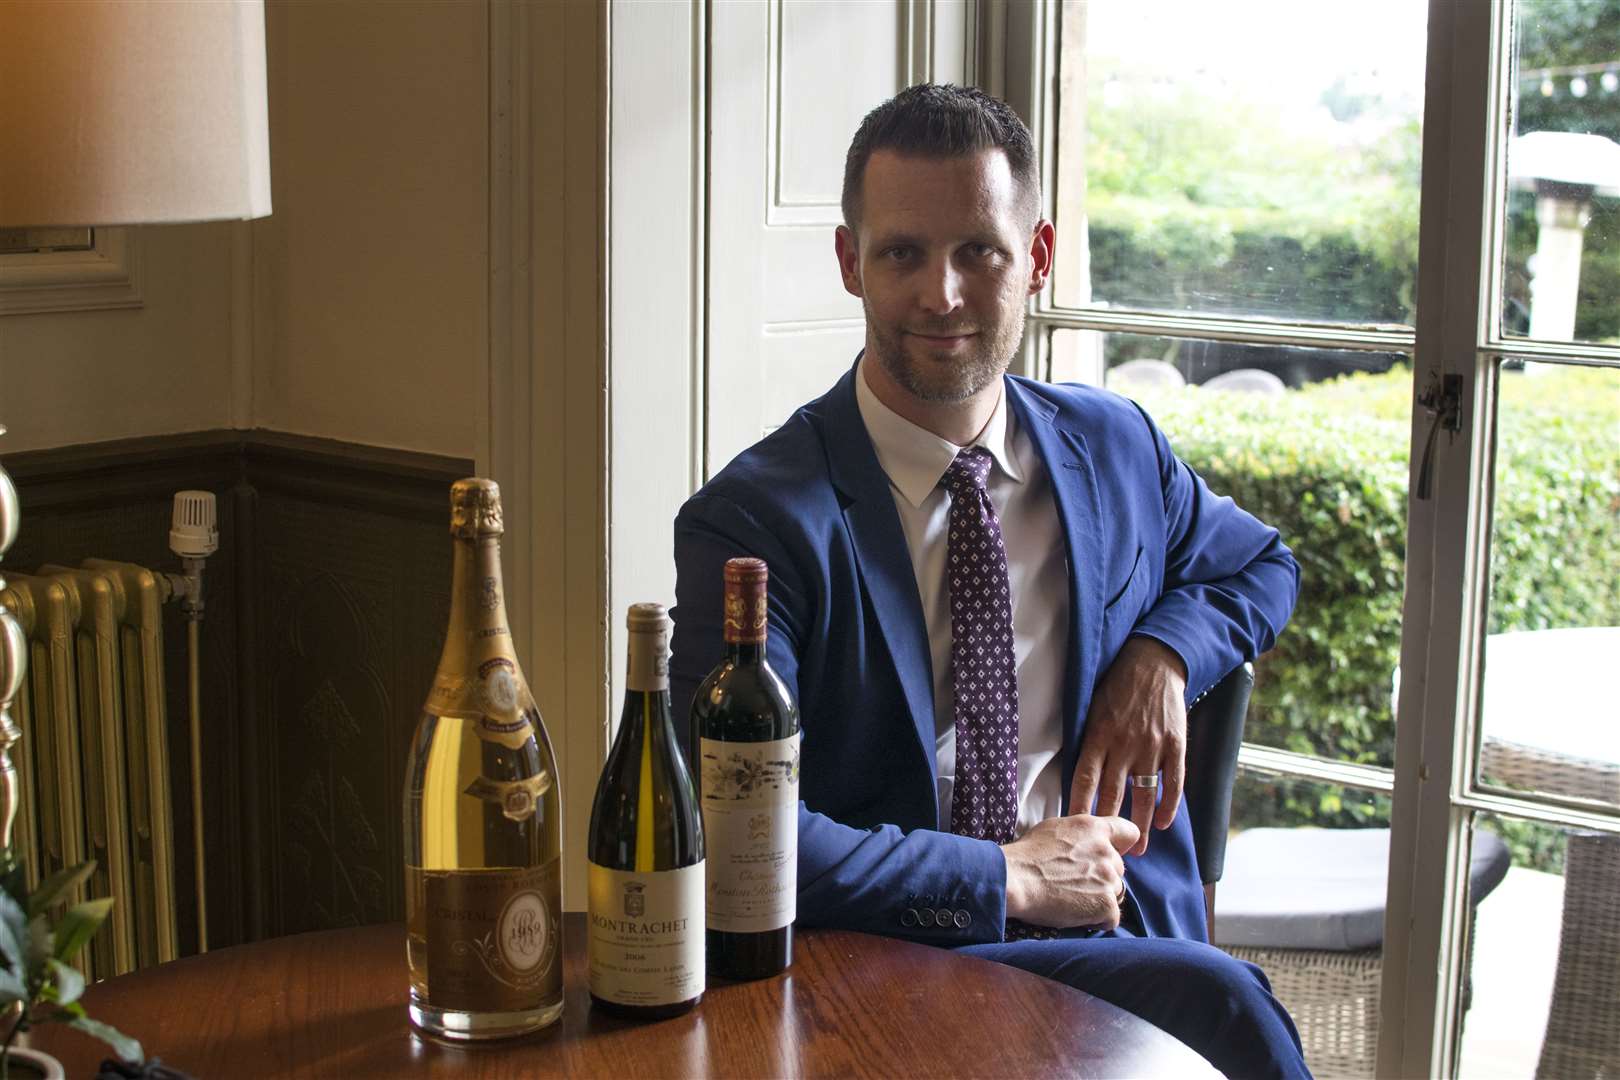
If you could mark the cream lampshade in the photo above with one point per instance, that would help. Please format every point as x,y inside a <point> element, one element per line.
<point>124,112</point>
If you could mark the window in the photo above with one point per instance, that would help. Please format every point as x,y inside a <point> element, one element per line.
<point>1238,198</point>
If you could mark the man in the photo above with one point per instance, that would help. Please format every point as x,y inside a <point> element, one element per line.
<point>993,599</point>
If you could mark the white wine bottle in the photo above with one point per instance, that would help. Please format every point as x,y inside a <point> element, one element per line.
<point>483,828</point>
<point>646,935</point>
<point>746,728</point>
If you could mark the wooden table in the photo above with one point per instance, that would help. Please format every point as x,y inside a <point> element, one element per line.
<point>332,1004</point>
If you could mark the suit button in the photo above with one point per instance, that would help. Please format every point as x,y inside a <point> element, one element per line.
<point>962,920</point>
<point>908,917</point>
<point>925,917</point>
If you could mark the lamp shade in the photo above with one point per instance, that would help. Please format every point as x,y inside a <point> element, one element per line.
<point>125,112</point>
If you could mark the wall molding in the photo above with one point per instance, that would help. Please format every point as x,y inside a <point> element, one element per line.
<point>107,276</point>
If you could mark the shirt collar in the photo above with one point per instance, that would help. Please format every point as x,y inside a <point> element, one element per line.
<point>915,458</point>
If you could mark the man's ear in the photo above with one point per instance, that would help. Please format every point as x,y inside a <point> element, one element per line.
<point>1041,245</point>
<point>849,259</point>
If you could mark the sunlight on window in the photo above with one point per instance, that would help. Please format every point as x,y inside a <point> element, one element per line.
<point>1218,159</point>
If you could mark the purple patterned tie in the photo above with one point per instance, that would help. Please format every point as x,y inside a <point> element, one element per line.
<point>984,802</point>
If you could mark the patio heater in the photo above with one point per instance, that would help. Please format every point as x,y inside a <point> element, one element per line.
<point>1565,170</point>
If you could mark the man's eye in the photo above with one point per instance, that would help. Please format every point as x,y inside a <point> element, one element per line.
<point>897,254</point>
<point>981,251</point>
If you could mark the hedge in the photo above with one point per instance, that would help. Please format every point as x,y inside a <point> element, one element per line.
<point>1327,465</point>
<point>1353,262</point>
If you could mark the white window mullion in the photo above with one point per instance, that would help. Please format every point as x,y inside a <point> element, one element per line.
<point>1446,570</point>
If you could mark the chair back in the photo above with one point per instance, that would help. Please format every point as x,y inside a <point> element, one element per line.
<point>1214,734</point>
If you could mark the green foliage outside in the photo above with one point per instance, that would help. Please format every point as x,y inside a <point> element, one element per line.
<point>1205,202</point>
<point>1327,466</point>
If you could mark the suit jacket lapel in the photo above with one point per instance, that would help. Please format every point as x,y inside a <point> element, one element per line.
<point>1074,487</point>
<point>882,555</point>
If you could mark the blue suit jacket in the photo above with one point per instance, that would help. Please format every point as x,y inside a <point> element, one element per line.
<point>1150,549</point>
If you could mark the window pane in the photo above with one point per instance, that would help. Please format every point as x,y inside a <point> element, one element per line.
<point>1313,442</point>
<point>1550,721</point>
<point>1250,157</point>
<point>1562,271</point>
<point>1542,993</point>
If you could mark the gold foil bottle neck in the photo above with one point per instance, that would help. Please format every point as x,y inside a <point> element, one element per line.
<point>475,509</point>
<point>746,571</point>
<point>745,610</point>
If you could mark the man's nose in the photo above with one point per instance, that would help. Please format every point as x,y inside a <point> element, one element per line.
<point>941,288</point>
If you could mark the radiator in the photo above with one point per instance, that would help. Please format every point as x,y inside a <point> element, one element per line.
<point>94,758</point>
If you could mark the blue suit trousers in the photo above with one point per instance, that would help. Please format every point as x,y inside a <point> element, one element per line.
<point>1217,1004</point>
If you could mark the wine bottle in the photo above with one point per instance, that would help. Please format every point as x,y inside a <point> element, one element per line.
<point>746,730</point>
<point>483,828</point>
<point>645,902</point>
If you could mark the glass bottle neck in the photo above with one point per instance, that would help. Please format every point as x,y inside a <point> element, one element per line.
<point>744,655</point>
<point>478,628</point>
<point>647,712</point>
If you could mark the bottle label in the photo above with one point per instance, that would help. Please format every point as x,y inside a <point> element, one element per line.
<point>751,832</point>
<point>493,940</point>
<point>646,935</point>
<point>518,799</point>
<point>496,698</point>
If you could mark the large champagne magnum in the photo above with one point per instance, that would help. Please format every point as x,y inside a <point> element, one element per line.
<point>645,936</point>
<point>746,730</point>
<point>483,829</point>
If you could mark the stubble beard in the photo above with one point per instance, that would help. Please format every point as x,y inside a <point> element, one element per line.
<point>945,381</point>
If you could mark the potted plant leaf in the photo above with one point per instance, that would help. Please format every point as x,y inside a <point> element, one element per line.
<point>39,984</point>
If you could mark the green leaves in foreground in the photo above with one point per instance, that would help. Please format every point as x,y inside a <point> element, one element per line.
<point>38,974</point>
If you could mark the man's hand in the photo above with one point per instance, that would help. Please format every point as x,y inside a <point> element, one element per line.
<point>1137,726</point>
<point>1067,871</point>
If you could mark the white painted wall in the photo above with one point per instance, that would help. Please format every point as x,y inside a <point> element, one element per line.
<point>358,311</point>
<point>371,278</point>
<point>75,377</point>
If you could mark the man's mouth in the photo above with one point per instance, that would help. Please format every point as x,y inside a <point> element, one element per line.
<point>943,340</point>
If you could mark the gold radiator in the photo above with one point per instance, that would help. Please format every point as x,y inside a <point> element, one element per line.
<point>94,752</point>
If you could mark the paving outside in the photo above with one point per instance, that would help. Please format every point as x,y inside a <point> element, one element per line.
<point>1515,954</point>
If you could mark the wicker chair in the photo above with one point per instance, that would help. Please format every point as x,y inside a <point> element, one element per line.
<point>1332,992</point>
<point>1583,1028</point>
<point>1307,906</point>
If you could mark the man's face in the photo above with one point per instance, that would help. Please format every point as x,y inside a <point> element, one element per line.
<point>945,258</point>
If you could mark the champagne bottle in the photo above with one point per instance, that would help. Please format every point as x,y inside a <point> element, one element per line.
<point>746,730</point>
<point>483,829</point>
<point>646,849</point>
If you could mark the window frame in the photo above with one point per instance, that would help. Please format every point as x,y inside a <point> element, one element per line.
<point>1458,333</point>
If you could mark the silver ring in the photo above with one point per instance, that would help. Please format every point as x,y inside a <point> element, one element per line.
<point>1151,780</point>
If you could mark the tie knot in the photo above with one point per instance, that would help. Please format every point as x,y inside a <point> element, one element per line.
<point>969,471</point>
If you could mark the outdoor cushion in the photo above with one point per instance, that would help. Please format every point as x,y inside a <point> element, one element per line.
<point>1321,889</point>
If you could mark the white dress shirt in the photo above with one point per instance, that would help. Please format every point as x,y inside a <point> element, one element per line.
<point>1021,492</point>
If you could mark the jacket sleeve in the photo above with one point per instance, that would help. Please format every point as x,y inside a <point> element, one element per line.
<point>1229,581</point>
<point>865,879</point>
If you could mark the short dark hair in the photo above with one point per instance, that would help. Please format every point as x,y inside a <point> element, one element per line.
<point>940,121</point>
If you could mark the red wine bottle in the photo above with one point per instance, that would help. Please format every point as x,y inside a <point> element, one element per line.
<point>746,731</point>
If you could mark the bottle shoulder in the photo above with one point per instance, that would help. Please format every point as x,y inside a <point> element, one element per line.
<point>747,692</point>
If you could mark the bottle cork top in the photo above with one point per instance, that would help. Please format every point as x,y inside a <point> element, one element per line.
<point>475,508</point>
<point>746,570</point>
<point>648,619</point>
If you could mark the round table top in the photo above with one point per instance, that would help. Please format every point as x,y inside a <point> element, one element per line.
<point>1547,689</point>
<point>332,1003</point>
